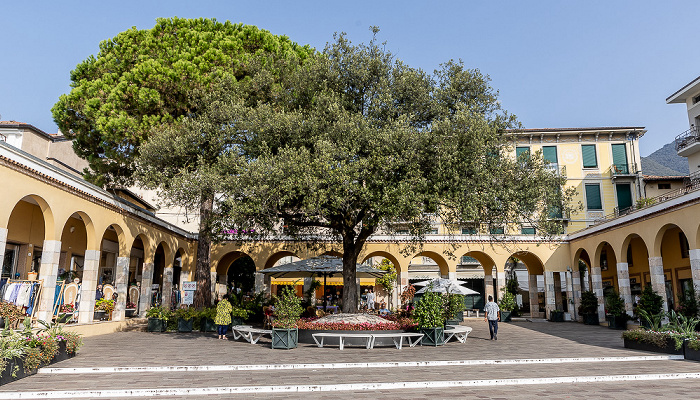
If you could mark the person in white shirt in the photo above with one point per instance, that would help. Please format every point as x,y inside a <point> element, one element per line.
<point>492,314</point>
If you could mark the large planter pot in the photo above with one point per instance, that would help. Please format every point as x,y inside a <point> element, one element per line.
<point>129,312</point>
<point>62,354</point>
<point>236,321</point>
<point>616,322</point>
<point>590,319</point>
<point>689,353</point>
<point>63,318</point>
<point>285,338</point>
<point>15,366</point>
<point>156,325</point>
<point>99,315</point>
<point>669,348</point>
<point>207,325</point>
<point>184,325</point>
<point>556,316</point>
<point>505,316</point>
<point>432,336</point>
<point>456,319</point>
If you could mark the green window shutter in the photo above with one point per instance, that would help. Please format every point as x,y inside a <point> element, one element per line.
<point>470,230</point>
<point>619,153</point>
<point>497,230</point>
<point>624,196</point>
<point>527,230</point>
<point>593,200</point>
<point>589,156</point>
<point>550,154</point>
<point>521,150</point>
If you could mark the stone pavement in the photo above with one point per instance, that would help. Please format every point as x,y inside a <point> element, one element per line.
<point>516,341</point>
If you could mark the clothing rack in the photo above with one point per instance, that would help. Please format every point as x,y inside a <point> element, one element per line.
<point>34,296</point>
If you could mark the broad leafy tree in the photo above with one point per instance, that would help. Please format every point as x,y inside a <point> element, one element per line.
<point>145,81</point>
<point>356,142</point>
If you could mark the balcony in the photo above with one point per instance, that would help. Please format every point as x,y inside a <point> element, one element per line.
<point>688,142</point>
<point>623,170</point>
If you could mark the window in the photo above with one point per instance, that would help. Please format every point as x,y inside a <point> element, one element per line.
<point>496,230</point>
<point>401,231</point>
<point>433,231</point>
<point>664,185</point>
<point>549,153</point>
<point>527,230</point>
<point>696,99</point>
<point>590,160</point>
<point>468,230</point>
<point>521,150</point>
<point>593,200</point>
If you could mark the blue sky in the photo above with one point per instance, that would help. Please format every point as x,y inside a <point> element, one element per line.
<point>555,63</point>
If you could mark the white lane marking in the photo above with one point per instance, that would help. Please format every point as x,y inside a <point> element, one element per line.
<point>340,387</point>
<point>398,364</point>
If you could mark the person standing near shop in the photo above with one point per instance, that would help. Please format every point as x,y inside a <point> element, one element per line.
<point>223,316</point>
<point>370,300</point>
<point>492,314</point>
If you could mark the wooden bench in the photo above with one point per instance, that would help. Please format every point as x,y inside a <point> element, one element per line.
<point>459,332</point>
<point>398,338</point>
<point>341,338</point>
<point>250,334</point>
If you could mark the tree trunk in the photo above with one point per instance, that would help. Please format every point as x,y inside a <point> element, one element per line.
<point>202,295</point>
<point>349,281</point>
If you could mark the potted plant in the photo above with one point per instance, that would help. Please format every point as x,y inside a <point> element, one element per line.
<point>691,348</point>
<point>11,315</point>
<point>589,308</point>
<point>206,319</point>
<point>507,305</point>
<point>453,304</point>
<point>103,309</point>
<point>650,306</point>
<point>238,315</point>
<point>556,316</point>
<point>430,316</point>
<point>185,319</point>
<point>157,319</point>
<point>285,334</point>
<point>616,315</point>
<point>65,313</point>
<point>130,310</point>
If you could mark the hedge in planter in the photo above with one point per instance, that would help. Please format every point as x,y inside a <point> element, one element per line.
<point>660,342</point>
<point>185,319</point>
<point>616,315</point>
<point>430,316</point>
<point>589,308</point>
<point>288,309</point>
<point>157,319</point>
<point>507,304</point>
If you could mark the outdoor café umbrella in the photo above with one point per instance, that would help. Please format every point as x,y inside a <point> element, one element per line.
<point>442,285</point>
<point>322,266</point>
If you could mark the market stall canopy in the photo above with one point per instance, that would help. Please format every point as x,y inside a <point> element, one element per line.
<point>442,285</point>
<point>319,267</point>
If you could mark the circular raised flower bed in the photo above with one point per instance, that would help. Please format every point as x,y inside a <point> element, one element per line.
<point>353,323</point>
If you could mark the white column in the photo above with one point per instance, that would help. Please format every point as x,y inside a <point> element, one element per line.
<point>586,281</point>
<point>570,296</point>
<point>623,282</point>
<point>146,291</point>
<point>488,286</point>
<point>597,286</point>
<point>694,267</point>
<point>534,298</point>
<point>307,285</point>
<point>212,280</point>
<point>658,281</point>
<point>50,253</point>
<point>576,289</point>
<point>88,286</point>
<point>167,287</point>
<point>500,284</point>
<point>550,302</point>
<point>3,243</point>
<point>121,280</point>
<point>260,283</point>
<point>452,275</point>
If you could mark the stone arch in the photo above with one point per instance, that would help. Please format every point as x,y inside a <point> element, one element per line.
<point>387,255</point>
<point>227,259</point>
<point>49,223</point>
<point>581,254</point>
<point>658,238</point>
<point>120,238</point>
<point>92,243</point>
<point>332,253</point>
<point>438,258</point>
<point>534,264</point>
<point>148,250</point>
<point>604,246</point>
<point>272,260</point>
<point>487,263</point>
<point>632,237</point>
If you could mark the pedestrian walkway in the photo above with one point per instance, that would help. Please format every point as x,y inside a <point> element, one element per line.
<point>550,360</point>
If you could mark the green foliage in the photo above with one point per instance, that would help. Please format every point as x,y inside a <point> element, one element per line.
<point>288,309</point>
<point>589,303</point>
<point>241,313</point>
<point>356,139</point>
<point>430,312</point>
<point>658,339</point>
<point>507,301</point>
<point>388,280</point>
<point>106,305</point>
<point>645,202</point>
<point>654,322</point>
<point>650,302</point>
<point>688,304</point>
<point>452,304</point>
<point>159,312</point>
<point>681,324</point>
<point>11,313</point>
<point>185,313</point>
<point>142,80</point>
<point>614,304</point>
<point>512,284</point>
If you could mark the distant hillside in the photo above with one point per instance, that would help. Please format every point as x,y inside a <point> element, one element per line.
<point>665,162</point>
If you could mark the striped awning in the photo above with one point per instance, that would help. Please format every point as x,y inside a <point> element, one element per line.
<point>329,281</point>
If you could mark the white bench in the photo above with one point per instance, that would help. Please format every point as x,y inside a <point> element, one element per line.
<point>341,338</point>
<point>250,334</point>
<point>398,338</point>
<point>459,332</point>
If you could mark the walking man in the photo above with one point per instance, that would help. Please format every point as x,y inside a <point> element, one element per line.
<point>492,314</point>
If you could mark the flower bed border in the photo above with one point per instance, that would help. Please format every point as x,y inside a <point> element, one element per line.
<point>305,336</point>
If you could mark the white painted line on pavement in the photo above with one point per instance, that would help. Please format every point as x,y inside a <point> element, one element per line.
<point>398,364</point>
<point>64,394</point>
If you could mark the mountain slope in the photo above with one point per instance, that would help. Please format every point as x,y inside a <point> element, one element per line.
<point>665,162</point>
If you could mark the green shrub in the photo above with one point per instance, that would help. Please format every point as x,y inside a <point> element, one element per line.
<point>650,302</point>
<point>589,303</point>
<point>614,304</point>
<point>507,302</point>
<point>429,312</point>
<point>288,309</point>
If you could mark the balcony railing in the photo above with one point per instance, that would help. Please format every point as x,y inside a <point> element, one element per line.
<point>687,138</point>
<point>623,169</point>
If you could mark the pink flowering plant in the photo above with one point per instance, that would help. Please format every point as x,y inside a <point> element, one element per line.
<point>398,324</point>
<point>67,308</point>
